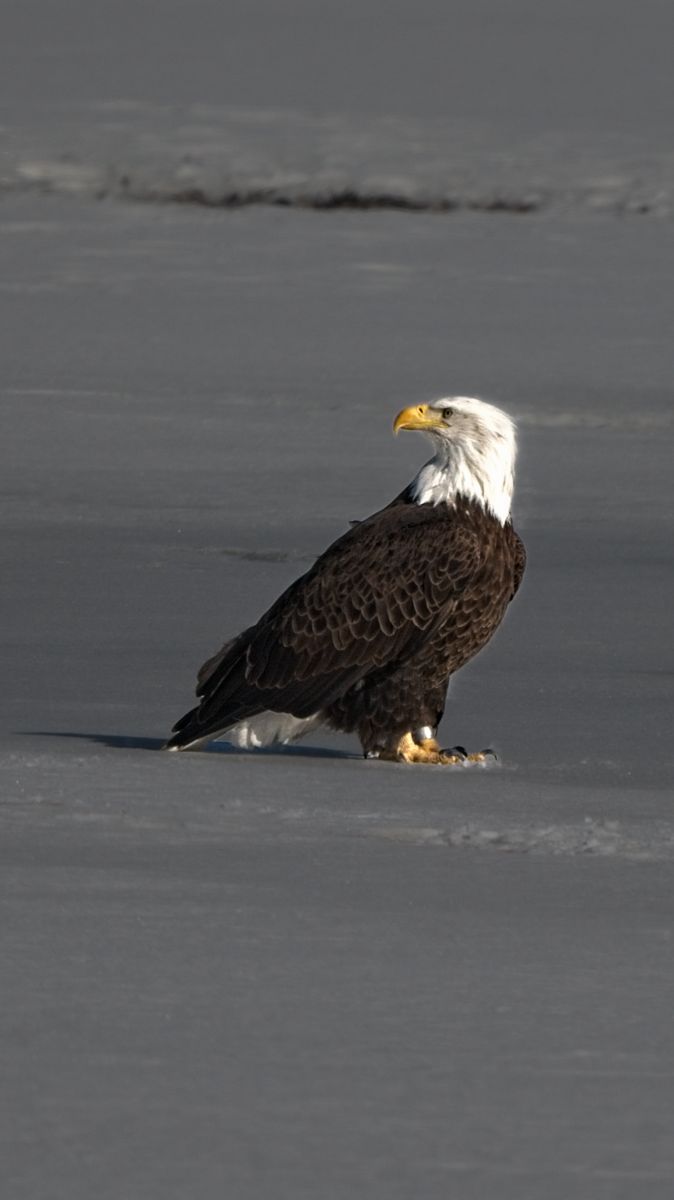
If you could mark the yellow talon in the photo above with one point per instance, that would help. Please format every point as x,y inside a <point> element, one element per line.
<point>429,751</point>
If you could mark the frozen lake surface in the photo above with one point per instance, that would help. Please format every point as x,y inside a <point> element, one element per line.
<point>299,974</point>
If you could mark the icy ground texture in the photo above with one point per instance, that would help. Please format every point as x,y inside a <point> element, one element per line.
<point>302,974</point>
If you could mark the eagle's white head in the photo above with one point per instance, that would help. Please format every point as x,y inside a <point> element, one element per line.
<point>474,455</point>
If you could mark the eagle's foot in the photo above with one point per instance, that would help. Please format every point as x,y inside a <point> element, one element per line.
<point>478,756</point>
<point>426,751</point>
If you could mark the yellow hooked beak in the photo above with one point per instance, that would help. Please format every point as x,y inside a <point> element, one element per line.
<point>419,416</point>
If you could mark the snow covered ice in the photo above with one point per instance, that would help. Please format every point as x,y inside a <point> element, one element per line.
<point>299,973</point>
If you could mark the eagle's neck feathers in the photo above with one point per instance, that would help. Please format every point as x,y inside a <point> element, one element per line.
<point>483,472</point>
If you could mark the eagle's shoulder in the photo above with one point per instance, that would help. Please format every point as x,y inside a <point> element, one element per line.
<point>404,540</point>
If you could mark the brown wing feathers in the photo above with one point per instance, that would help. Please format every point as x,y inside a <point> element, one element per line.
<point>373,598</point>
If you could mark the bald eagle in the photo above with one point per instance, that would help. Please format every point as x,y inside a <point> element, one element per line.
<point>367,640</point>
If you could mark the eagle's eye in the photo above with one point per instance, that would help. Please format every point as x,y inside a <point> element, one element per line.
<point>447,413</point>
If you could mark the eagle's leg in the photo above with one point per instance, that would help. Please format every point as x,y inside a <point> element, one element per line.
<point>425,751</point>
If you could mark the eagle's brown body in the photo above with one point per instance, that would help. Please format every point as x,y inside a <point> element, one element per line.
<point>368,638</point>
<point>478,566</point>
